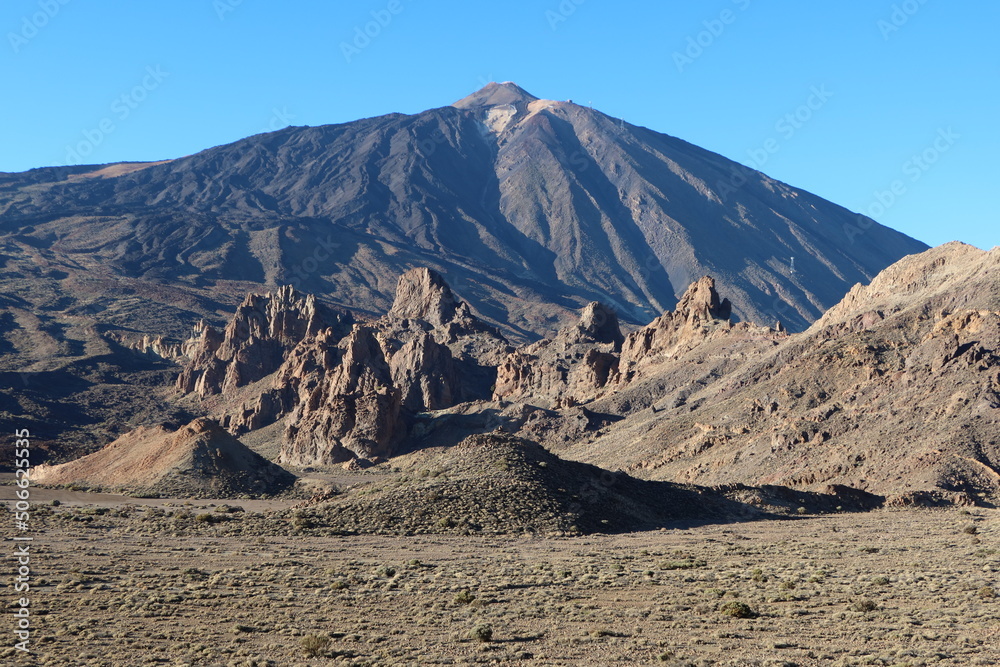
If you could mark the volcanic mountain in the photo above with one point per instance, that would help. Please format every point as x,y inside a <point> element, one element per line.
<point>528,208</point>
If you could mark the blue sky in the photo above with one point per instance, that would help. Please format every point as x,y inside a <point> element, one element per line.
<point>889,108</point>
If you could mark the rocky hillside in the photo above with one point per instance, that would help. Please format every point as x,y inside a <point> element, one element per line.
<point>893,394</point>
<point>896,391</point>
<point>529,208</point>
<point>197,460</point>
<point>499,484</point>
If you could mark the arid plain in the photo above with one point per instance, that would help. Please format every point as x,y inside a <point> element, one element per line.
<point>147,582</point>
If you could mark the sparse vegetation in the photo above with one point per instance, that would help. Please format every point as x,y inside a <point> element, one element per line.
<point>420,599</point>
<point>683,564</point>
<point>315,645</point>
<point>864,605</point>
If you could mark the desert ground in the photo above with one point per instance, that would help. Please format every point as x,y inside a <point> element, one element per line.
<point>122,581</point>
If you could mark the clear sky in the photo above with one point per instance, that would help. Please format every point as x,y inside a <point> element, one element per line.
<point>886,107</point>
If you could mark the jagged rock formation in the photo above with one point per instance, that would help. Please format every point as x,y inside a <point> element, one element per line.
<point>429,352</point>
<point>435,341</point>
<point>700,313</point>
<point>353,412</point>
<point>422,294</point>
<point>254,343</point>
<point>197,460</point>
<point>344,395</point>
<point>160,346</point>
<point>561,371</point>
<point>592,358</point>
<point>895,391</point>
<point>426,370</point>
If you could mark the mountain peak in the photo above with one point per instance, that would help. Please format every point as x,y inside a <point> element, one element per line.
<point>494,94</point>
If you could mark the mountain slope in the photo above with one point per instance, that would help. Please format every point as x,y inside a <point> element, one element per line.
<point>530,208</point>
<point>896,391</point>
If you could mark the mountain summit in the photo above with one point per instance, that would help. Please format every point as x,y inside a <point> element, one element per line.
<point>495,94</point>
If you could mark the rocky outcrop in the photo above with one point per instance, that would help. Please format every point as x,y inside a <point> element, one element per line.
<point>429,352</point>
<point>422,294</point>
<point>254,344</point>
<point>197,460</point>
<point>575,365</point>
<point>591,358</point>
<point>425,372</point>
<point>353,412</point>
<point>699,314</point>
<point>157,346</point>
<point>425,303</point>
<point>345,397</point>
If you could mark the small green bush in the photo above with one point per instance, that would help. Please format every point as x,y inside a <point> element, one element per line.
<point>315,645</point>
<point>686,564</point>
<point>738,609</point>
<point>864,605</point>
<point>481,633</point>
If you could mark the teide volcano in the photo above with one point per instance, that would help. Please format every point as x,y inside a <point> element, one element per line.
<point>529,207</point>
